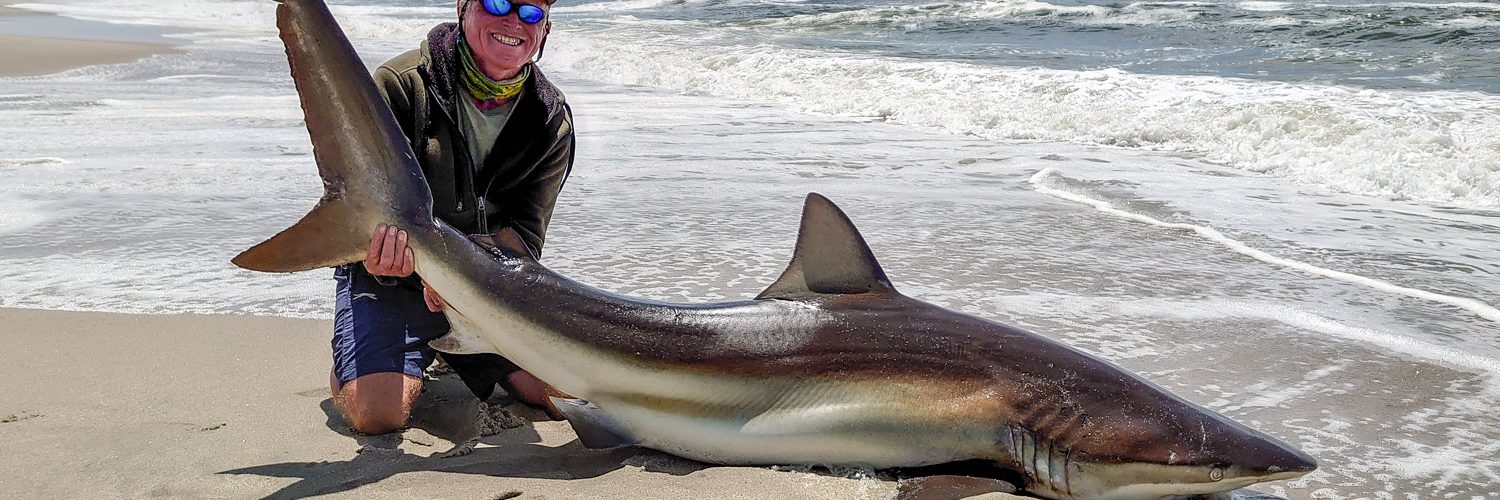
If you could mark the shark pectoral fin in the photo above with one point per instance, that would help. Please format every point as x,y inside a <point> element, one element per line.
<point>595,428</point>
<point>1243,494</point>
<point>458,342</point>
<point>949,487</point>
<point>831,257</point>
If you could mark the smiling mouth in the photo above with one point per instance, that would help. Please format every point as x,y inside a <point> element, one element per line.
<point>506,40</point>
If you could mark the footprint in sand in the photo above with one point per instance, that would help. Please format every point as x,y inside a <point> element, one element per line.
<point>25,415</point>
<point>316,392</point>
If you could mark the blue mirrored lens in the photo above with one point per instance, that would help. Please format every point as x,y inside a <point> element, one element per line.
<point>497,7</point>
<point>530,14</point>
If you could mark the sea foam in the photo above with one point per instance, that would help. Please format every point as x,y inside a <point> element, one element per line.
<point>1437,147</point>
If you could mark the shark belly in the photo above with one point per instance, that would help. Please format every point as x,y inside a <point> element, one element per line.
<point>829,423</point>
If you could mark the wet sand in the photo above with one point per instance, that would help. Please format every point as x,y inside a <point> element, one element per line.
<point>35,55</point>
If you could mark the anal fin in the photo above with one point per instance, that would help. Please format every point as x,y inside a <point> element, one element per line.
<point>595,429</point>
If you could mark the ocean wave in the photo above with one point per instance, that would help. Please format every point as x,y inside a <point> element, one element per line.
<point>620,5</point>
<point>1432,147</point>
<point>1212,309</point>
<point>920,16</point>
<point>1260,6</point>
<point>1044,181</point>
<point>31,162</point>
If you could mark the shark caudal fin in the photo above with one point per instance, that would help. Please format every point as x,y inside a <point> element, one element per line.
<point>831,257</point>
<point>367,165</point>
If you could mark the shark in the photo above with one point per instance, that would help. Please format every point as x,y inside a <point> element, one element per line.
<point>829,365</point>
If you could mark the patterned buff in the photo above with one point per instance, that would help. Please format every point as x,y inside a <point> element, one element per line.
<point>482,87</point>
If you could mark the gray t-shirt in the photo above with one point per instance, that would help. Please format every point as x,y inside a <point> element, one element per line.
<point>482,127</point>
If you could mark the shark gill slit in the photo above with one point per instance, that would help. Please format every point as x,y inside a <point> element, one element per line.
<point>1036,459</point>
<point>1030,466</point>
<point>1068,471</point>
<point>1051,463</point>
<point>1014,435</point>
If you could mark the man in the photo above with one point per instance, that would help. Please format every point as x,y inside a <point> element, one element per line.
<point>495,141</point>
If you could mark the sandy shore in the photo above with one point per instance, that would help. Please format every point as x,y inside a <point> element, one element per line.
<point>108,405</point>
<point>7,10</point>
<point>31,56</point>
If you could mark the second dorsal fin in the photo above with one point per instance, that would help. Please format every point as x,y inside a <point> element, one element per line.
<point>831,257</point>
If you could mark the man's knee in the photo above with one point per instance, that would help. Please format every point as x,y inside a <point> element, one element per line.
<point>379,402</point>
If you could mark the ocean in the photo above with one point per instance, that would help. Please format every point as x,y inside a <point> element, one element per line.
<point>1288,212</point>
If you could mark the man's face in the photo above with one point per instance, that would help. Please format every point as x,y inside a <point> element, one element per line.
<point>503,44</point>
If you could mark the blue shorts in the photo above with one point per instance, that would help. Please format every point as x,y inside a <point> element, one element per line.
<point>379,328</point>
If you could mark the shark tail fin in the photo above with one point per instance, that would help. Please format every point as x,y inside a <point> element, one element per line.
<point>365,160</point>
<point>831,257</point>
<point>320,239</point>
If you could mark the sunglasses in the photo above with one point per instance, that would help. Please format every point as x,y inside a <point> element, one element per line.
<point>529,14</point>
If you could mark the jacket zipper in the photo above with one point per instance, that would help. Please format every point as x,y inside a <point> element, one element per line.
<point>473,176</point>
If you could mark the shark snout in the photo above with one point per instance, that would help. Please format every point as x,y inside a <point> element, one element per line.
<point>1281,460</point>
<point>1267,458</point>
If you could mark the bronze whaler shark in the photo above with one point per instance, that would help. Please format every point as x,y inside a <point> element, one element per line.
<point>829,365</point>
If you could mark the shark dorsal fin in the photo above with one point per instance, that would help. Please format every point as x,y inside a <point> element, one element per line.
<point>831,257</point>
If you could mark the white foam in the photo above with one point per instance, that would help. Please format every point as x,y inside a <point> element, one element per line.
<point>618,6</point>
<point>1431,147</point>
<point>17,215</point>
<point>1042,183</point>
<point>1264,6</point>
<point>1454,5</point>
<point>29,162</point>
<point>917,16</point>
<point>1138,14</point>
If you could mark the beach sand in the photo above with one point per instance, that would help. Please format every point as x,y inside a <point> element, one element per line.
<point>31,55</point>
<point>110,405</point>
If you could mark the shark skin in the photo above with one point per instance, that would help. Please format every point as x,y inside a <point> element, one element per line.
<point>830,365</point>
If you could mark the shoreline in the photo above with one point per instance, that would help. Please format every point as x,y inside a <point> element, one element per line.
<point>31,55</point>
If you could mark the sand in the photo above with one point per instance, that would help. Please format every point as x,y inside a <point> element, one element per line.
<point>7,10</point>
<point>32,56</point>
<point>110,405</point>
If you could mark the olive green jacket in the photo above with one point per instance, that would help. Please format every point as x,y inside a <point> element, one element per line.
<point>518,183</point>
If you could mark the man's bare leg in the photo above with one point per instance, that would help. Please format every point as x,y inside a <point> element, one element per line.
<point>376,403</point>
<point>534,391</point>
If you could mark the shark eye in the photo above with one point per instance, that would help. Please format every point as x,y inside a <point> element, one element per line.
<point>1216,474</point>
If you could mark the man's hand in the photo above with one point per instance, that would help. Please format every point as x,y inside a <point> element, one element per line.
<point>389,255</point>
<point>434,302</point>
